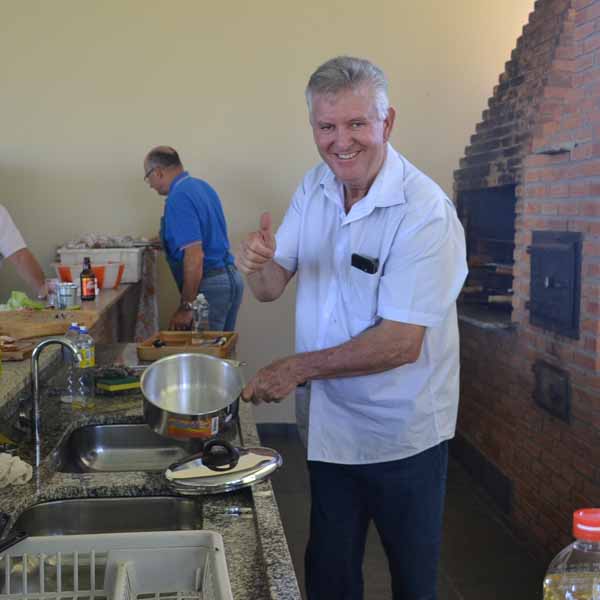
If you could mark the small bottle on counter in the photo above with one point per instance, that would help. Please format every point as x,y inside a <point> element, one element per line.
<point>87,360</point>
<point>87,348</point>
<point>201,313</point>
<point>72,381</point>
<point>88,282</point>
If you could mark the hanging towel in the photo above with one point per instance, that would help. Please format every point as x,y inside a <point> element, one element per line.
<point>147,318</point>
<point>13,470</point>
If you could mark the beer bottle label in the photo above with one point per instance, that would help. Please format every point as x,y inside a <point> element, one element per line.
<point>88,287</point>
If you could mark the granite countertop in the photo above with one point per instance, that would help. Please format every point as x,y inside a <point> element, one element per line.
<point>257,554</point>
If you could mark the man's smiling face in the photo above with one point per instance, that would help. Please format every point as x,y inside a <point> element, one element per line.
<point>350,136</point>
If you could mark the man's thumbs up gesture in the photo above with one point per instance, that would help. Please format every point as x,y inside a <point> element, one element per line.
<point>258,248</point>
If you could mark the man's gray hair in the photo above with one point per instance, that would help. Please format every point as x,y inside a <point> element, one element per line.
<point>163,156</point>
<point>349,73</point>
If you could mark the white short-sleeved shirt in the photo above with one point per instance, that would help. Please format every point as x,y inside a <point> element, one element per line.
<point>11,239</point>
<point>408,223</point>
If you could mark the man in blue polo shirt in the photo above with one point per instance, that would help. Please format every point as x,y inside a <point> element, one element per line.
<point>193,233</point>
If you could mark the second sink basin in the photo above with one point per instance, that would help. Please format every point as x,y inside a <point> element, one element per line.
<point>110,515</point>
<point>114,448</point>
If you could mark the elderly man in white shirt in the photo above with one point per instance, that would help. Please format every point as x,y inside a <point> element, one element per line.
<point>14,249</point>
<point>379,255</point>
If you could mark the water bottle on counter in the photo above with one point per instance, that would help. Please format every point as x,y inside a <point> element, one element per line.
<point>73,332</point>
<point>201,313</point>
<point>87,360</point>
<point>574,573</point>
<point>71,382</point>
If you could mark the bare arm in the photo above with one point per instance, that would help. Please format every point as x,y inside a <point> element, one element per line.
<point>193,261</point>
<point>386,346</point>
<point>29,270</point>
<point>269,283</point>
<point>266,278</point>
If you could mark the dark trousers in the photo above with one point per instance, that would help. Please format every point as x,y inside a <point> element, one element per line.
<point>405,500</point>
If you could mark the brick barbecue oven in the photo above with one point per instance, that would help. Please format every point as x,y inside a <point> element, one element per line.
<point>528,193</point>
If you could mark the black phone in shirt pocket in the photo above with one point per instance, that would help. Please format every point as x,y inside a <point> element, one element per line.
<point>368,264</point>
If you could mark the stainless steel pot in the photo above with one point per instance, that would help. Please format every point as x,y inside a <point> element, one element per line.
<point>191,396</point>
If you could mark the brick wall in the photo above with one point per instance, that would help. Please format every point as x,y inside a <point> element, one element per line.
<point>503,137</point>
<point>542,132</point>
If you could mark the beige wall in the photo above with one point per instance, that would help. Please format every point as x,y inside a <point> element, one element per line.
<point>88,87</point>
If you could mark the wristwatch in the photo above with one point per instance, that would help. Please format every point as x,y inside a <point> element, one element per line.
<point>186,306</point>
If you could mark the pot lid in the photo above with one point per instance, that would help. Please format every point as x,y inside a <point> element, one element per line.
<point>221,467</point>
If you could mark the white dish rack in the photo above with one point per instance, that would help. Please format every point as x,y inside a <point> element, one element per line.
<point>165,565</point>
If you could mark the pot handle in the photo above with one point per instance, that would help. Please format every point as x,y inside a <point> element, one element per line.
<point>234,363</point>
<point>219,460</point>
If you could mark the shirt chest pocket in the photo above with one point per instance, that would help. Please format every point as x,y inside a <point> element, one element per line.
<point>360,297</point>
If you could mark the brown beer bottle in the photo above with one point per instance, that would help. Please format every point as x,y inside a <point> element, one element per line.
<point>88,281</point>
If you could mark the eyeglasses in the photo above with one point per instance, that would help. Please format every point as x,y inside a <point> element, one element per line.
<point>148,173</point>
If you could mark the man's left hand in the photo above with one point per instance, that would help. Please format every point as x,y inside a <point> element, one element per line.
<point>181,320</point>
<point>273,382</point>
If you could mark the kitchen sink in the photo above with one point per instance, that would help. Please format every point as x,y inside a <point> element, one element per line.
<point>117,448</point>
<point>110,515</point>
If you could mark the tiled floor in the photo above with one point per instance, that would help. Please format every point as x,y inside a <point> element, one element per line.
<point>481,559</point>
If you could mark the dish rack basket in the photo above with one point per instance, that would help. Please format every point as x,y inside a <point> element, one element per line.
<point>165,565</point>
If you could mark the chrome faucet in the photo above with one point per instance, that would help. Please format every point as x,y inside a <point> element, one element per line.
<point>35,387</point>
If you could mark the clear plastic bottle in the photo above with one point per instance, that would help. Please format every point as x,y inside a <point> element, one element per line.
<point>71,381</point>
<point>87,351</point>
<point>574,573</point>
<point>201,313</point>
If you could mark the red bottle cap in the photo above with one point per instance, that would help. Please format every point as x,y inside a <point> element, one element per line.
<point>586,524</point>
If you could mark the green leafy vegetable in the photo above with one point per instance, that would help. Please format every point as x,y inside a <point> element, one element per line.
<point>19,300</point>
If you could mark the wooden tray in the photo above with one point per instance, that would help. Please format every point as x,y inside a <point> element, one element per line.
<point>178,342</point>
<point>18,351</point>
<point>23,324</point>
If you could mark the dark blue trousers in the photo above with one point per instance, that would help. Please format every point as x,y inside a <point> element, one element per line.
<point>405,500</point>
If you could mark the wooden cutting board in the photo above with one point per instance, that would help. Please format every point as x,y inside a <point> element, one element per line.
<point>23,324</point>
<point>20,350</point>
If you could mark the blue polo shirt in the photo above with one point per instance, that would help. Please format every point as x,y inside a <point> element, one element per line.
<point>193,213</point>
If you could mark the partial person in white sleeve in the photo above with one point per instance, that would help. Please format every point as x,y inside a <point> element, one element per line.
<point>14,249</point>
<point>379,256</point>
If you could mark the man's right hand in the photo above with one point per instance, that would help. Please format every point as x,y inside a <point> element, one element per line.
<point>258,248</point>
